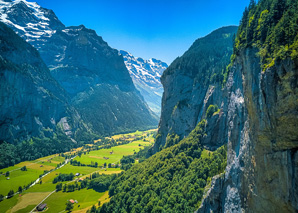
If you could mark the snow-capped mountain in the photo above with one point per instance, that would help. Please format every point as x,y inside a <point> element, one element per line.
<point>30,21</point>
<point>92,73</point>
<point>146,77</point>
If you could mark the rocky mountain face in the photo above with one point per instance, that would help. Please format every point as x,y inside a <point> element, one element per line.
<point>146,77</point>
<point>257,116</point>
<point>189,80</point>
<point>92,73</point>
<point>32,103</point>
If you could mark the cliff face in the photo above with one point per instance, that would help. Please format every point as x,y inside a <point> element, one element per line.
<point>32,102</point>
<point>261,126</point>
<point>190,80</point>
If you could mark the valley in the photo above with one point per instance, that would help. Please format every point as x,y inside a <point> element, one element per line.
<point>209,126</point>
<point>102,158</point>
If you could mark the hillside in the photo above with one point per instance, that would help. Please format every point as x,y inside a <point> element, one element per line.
<point>146,77</point>
<point>172,180</point>
<point>92,73</point>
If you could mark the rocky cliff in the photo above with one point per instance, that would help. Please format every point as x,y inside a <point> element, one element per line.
<point>32,103</point>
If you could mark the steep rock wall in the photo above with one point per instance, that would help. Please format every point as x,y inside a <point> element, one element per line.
<point>261,126</point>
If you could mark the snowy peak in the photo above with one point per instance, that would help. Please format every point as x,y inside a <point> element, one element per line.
<point>30,21</point>
<point>146,77</point>
<point>149,71</point>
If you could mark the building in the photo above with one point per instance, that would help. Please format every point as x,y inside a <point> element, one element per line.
<point>41,207</point>
<point>77,174</point>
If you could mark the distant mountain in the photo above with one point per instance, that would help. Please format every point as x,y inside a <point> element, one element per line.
<point>92,73</point>
<point>146,77</point>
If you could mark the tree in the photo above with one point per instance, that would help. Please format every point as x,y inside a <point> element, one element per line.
<point>20,189</point>
<point>109,165</point>
<point>1,197</point>
<point>211,110</point>
<point>99,203</point>
<point>10,194</point>
<point>7,174</point>
<point>105,165</point>
<point>93,209</point>
<point>59,187</point>
<point>24,168</point>
<point>64,188</point>
<point>69,206</point>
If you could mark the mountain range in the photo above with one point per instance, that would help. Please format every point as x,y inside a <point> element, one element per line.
<point>92,74</point>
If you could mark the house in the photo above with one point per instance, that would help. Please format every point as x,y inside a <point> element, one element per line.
<point>77,174</point>
<point>41,207</point>
<point>72,201</point>
<point>7,178</point>
<point>76,201</point>
<point>106,158</point>
<point>81,179</point>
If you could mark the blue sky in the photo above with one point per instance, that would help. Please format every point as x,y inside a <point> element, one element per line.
<point>162,29</point>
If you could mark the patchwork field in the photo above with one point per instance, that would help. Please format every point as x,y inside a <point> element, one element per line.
<point>56,202</point>
<point>22,178</point>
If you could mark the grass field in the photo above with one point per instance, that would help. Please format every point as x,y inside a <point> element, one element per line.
<point>22,178</point>
<point>29,199</point>
<point>18,178</point>
<point>56,202</point>
<point>118,153</point>
<point>85,197</point>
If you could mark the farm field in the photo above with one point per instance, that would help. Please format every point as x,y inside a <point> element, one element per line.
<point>22,178</point>
<point>56,202</point>
<point>112,155</point>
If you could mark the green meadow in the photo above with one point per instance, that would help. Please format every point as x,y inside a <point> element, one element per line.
<point>27,200</point>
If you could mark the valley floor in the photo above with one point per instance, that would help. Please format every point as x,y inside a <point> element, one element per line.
<point>38,177</point>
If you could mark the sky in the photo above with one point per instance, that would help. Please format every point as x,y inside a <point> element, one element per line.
<point>161,29</point>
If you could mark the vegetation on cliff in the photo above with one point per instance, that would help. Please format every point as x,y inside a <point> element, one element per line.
<point>270,26</point>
